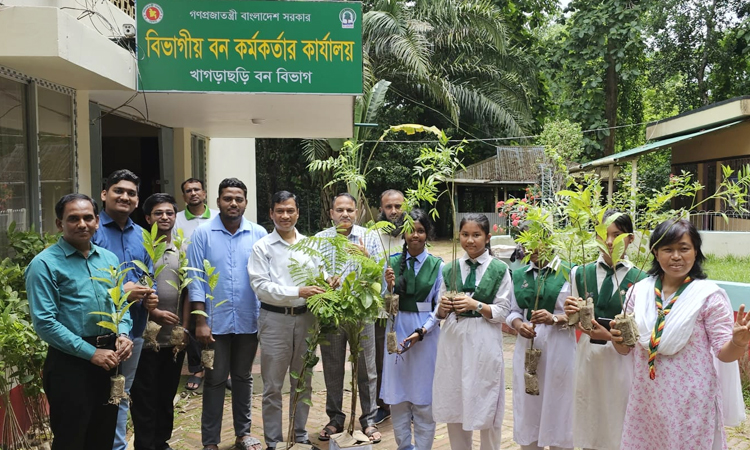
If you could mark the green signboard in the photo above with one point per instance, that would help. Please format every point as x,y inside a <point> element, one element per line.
<point>309,47</point>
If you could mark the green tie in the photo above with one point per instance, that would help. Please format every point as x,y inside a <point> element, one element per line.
<point>471,280</point>
<point>605,293</point>
<point>411,277</point>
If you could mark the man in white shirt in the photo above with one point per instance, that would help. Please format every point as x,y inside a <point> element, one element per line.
<point>196,211</point>
<point>284,320</point>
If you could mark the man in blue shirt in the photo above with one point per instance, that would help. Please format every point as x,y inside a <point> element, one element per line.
<point>120,235</point>
<point>226,241</point>
<point>82,355</point>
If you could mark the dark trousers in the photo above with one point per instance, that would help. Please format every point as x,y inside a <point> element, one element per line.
<point>78,394</point>
<point>193,351</point>
<point>153,391</point>
<point>380,333</point>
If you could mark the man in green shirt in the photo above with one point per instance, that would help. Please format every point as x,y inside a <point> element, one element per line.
<point>82,355</point>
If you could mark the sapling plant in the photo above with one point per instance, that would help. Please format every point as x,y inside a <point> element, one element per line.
<point>177,337</point>
<point>349,306</point>
<point>155,247</point>
<point>115,278</point>
<point>538,239</point>
<point>211,278</point>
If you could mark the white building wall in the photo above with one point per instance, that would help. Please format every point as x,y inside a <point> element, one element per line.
<point>232,158</point>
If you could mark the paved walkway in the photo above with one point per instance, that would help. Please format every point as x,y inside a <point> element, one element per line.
<point>187,435</point>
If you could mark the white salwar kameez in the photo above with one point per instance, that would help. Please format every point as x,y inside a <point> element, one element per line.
<point>469,387</point>
<point>602,380</point>
<point>545,419</point>
<point>407,378</point>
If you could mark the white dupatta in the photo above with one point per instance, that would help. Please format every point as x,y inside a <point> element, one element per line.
<point>678,327</point>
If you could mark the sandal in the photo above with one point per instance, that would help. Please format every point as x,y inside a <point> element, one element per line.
<point>193,382</point>
<point>248,443</point>
<point>328,431</point>
<point>370,433</point>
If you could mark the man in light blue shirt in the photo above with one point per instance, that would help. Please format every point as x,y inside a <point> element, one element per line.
<point>120,235</point>
<point>231,329</point>
<point>82,355</point>
<point>344,214</point>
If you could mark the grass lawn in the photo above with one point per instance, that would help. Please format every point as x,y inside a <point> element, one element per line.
<point>728,268</point>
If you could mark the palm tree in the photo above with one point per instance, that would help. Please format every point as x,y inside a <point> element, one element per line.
<point>451,55</point>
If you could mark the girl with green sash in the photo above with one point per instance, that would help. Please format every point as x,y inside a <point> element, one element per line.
<point>601,373</point>
<point>543,420</point>
<point>469,387</point>
<point>416,276</point>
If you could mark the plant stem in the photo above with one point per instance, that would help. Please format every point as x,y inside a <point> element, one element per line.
<point>354,350</point>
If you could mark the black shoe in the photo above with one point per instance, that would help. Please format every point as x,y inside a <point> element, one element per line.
<point>381,416</point>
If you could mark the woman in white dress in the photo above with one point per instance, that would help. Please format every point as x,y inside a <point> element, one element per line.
<point>469,387</point>
<point>601,373</point>
<point>416,276</point>
<point>544,420</point>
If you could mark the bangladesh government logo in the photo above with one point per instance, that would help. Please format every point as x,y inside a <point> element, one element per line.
<point>347,16</point>
<point>153,13</point>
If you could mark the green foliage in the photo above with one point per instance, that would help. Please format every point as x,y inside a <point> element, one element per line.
<point>155,247</point>
<point>595,61</point>
<point>23,351</point>
<point>183,270</point>
<point>562,141</point>
<point>211,278</point>
<point>356,301</point>
<point>728,268</point>
<point>115,277</point>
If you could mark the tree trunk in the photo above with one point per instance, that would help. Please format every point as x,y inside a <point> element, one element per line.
<point>701,75</point>
<point>610,98</point>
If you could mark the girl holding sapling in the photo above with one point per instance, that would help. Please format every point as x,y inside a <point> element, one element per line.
<point>542,414</point>
<point>469,387</point>
<point>683,391</point>
<point>416,276</point>
<point>602,377</point>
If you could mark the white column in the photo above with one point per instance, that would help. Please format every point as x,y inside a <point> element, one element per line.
<point>232,158</point>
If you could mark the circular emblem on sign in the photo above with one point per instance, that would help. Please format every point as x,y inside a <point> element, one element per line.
<point>152,13</point>
<point>347,16</point>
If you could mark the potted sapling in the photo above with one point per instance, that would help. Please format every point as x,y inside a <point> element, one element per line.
<point>177,337</point>
<point>538,239</point>
<point>212,279</point>
<point>356,301</point>
<point>437,167</point>
<point>582,211</point>
<point>115,279</point>
<point>155,247</point>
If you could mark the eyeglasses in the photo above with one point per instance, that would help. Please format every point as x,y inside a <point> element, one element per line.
<point>162,213</point>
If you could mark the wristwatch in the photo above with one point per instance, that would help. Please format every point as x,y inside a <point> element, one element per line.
<point>479,307</point>
<point>555,319</point>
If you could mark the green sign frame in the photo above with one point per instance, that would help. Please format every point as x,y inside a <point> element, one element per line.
<point>305,47</point>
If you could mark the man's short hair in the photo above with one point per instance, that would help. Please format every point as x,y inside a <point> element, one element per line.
<point>390,192</point>
<point>60,205</point>
<point>122,174</point>
<point>232,183</point>
<point>344,194</point>
<point>191,180</point>
<point>157,199</point>
<point>282,196</point>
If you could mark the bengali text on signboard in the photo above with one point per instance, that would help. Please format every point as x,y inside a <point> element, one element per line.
<point>250,46</point>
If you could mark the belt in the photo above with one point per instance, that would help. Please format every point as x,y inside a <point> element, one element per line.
<point>103,341</point>
<point>284,310</point>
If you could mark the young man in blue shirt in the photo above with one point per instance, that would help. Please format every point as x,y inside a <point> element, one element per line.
<point>226,241</point>
<point>120,235</point>
<point>82,355</point>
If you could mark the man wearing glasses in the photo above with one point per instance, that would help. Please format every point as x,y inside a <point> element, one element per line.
<point>159,368</point>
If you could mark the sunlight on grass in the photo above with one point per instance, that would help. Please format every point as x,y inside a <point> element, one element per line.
<point>728,268</point>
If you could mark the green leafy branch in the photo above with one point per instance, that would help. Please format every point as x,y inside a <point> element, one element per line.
<point>115,279</point>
